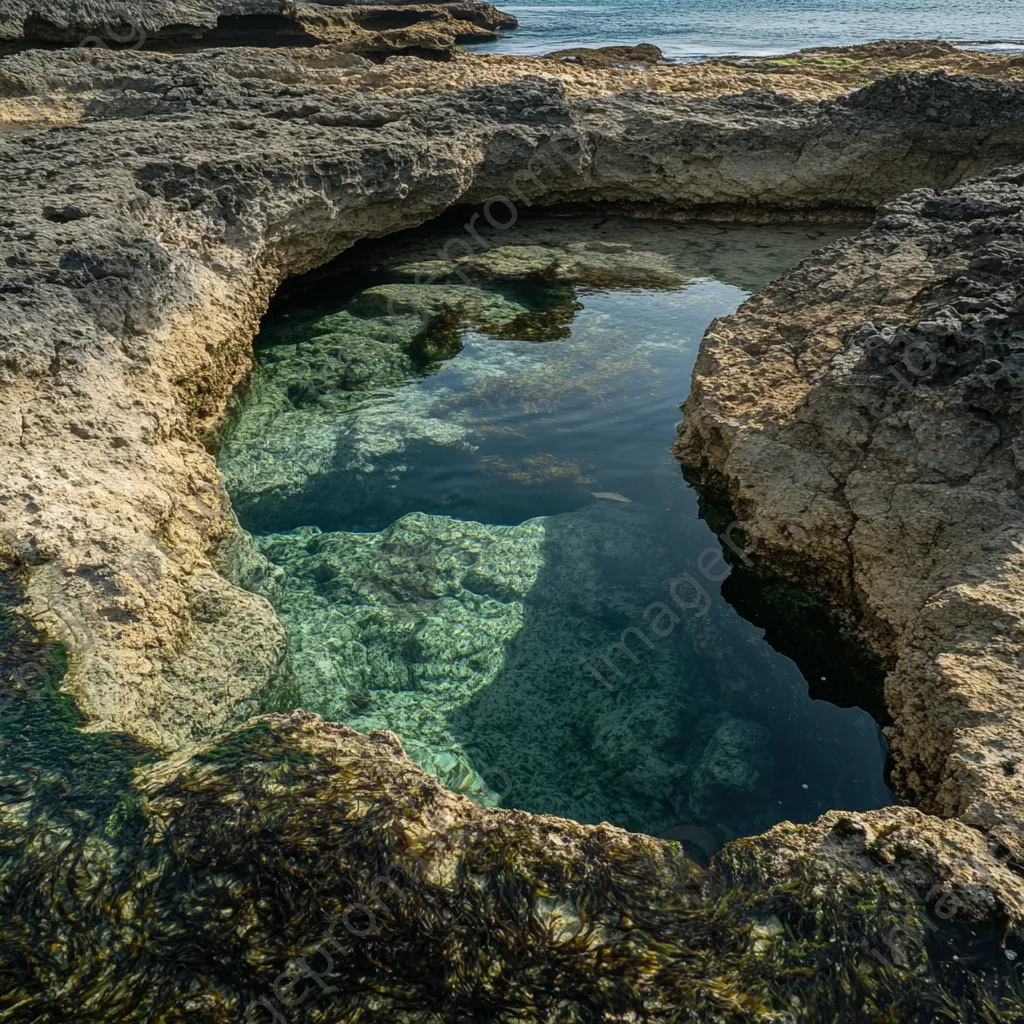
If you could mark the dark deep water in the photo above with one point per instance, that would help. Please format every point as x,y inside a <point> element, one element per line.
<point>459,479</point>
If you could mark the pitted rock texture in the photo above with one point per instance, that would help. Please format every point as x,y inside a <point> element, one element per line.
<point>430,28</point>
<point>60,91</point>
<point>141,247</point>
<point>864,415</point>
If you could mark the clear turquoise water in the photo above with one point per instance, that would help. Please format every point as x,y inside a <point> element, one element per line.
<point>685,29</point>
<point>456,545</point>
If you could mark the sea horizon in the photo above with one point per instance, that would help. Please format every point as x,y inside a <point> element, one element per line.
<point>686,30</point>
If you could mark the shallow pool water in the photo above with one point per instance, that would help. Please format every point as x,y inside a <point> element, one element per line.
<point>44,750</point>
<point>458,479</point>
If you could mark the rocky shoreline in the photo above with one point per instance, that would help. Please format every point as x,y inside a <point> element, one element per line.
<point>155,202</point>
<point>430,29</point>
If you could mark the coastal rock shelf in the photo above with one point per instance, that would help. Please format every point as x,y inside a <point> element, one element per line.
<point>425,28</point>
<point>153,204</point>
<point>894,403</point>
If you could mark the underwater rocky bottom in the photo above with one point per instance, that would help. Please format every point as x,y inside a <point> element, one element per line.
<point>463,507</point>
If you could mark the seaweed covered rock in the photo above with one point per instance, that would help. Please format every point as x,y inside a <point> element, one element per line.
<point>303,871</point>
<point>299,870</point>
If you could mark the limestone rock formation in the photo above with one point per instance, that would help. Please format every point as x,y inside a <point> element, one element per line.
<point>610,56</point>
<point>429,28</point>
<point>864,416</point>
<point>140,241</point>
<point>156,249</point>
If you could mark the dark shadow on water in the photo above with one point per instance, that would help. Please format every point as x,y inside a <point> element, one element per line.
<point>713,727</point>
<point>368,261</point>
<point>455,487</point>
<point>43,750</point>
<point>839,667</point>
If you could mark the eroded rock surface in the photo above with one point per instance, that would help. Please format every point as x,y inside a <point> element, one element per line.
<point>140,246</point>
<point>610,56</point>
<point>58,91</point>
<point>431,28</point>
<point>220,177</point>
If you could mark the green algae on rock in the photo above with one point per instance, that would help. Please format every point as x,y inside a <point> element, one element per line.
<point>297,848</point>
<point>398,629</point>
<point>330,400</point>
<point>82,773</point>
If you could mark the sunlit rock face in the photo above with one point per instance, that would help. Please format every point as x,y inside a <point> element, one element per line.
<point>466,516</point>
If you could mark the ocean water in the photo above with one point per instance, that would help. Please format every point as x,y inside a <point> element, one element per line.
<point>688,30</point>
<point>465,510</point>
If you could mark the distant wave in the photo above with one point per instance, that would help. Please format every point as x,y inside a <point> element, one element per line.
<point>693,30</point>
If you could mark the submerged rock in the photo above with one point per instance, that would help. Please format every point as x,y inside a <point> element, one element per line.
<point>491,648</point>
<point>732,768</point>
<point>329,427</point>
